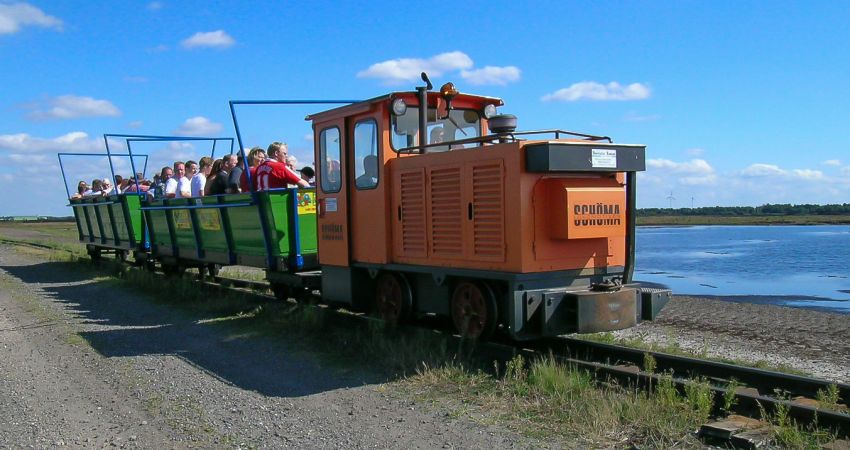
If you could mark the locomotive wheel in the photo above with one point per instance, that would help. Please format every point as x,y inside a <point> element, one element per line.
<point>474,310</point>
<point>393,298</point>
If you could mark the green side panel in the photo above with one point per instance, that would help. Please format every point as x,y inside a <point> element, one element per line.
<point>120,221</point>
<point>184,233</point>
<point>103,209</point>
<point>278,219</point>
<point>97,224</point>
<point>308,221</point>
<point>80,218</point>
<point>245,226</point>
<point>158,227</point>
<point>133,204</point>
<point>212,228</point>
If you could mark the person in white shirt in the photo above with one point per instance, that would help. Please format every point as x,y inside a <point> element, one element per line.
<point>200,178</point>
<point>178,186</point>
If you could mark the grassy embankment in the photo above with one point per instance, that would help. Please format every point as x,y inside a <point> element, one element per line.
<point>542,398</point>
<point>744,220</point>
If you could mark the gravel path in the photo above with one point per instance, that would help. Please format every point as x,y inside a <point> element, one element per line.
<point>814,342</point>
<point>86,364</point>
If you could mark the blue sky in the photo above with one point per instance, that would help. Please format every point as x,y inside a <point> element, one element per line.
<point>739,103</point>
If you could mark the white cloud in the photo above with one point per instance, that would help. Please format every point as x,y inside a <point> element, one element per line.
<point>73,107</point>
<point>76,141</point>
<point>762,170</point>
<point>397,71</point>
<point>695,151</point>
<point>154,6</point>
<point>591,90</point>
<point>14,16</point>
<point>690,173</point>
<point>808,174</point>
<point>198,126</point>
<point>213,39</point>
<point>832,162</point>
<point>491,75</point>
<point>135,124</point>
<point>308,137</point>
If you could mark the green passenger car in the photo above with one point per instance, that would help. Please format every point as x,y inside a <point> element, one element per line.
<point>274,230</point>
<point>113,223</point>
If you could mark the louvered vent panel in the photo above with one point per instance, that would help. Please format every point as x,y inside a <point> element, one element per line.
<point>413,239</point>
<point>488,207</point>
<point>446,212</point>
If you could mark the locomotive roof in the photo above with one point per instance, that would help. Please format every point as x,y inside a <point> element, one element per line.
<point>364,105</point>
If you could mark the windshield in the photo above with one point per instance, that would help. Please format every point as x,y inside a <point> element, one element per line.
<point>460,124</point>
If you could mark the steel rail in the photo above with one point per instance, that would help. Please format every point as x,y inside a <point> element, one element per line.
<point>761,379</point>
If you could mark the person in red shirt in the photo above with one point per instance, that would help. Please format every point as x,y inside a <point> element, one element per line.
<point>273,172</point>
<point>255,157</point>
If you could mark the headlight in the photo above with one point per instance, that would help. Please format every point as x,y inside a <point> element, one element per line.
<point>489,111</point>
<point>399,107</point>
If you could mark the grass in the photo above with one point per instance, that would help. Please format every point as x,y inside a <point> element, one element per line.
<point>743,220</point>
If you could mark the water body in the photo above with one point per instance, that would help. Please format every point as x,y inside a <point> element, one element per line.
<point>801,266</point>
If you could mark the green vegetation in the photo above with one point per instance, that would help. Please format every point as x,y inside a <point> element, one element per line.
<point>781,214</point>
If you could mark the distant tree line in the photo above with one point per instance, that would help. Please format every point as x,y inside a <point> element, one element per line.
<point>764,210</point>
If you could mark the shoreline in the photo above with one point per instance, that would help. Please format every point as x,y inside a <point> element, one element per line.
<point>664,221</point>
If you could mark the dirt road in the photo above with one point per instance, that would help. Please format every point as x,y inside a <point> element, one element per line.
<point>85,363</point>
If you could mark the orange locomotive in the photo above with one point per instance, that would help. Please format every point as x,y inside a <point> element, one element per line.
<point>430,203</point>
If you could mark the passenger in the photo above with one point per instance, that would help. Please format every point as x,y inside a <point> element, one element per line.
<point>370,173</point>
<point>118,180</point>
<point>160,188</point>
<point>307,174</point>
<point>178,185</point>
<point>82,187</point>
<point>191,169</point>
<point>124,185</point>
<point>234,176</point>
<point>216,168</point>
<point>273,172</point>
<point>107,188</point>
<point>96,189</point>
<point>255,157</point>
<point>199,180</point>
<point>219,184</point>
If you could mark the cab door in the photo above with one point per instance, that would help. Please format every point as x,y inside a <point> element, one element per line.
<point>333,232</point>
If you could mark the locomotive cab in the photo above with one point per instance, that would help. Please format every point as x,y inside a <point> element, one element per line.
<point>423,209</point>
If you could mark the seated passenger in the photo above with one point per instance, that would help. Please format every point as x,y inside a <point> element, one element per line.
<point>161,187</point>
<point>96,189</point>
<point>370,173</point>
<point>255,157</point>
<point>273,172</point>
<point>82,188</point>
<point>307,174</point>
<point>178,185</point>
<point>107,188</point>
<point>220,182</point>
<point>199,180</point>
<point>234,175</point>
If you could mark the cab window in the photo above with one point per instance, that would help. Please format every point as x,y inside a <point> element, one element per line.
<point>366,156</point>
<point>330,153</point>
<point>460,124</point>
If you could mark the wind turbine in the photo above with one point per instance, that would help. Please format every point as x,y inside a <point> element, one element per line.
<point>671,198</point>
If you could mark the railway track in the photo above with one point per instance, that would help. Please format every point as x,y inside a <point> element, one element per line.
<point>756,391</point>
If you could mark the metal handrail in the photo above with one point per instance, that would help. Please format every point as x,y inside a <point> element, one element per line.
<point>503,137</point>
